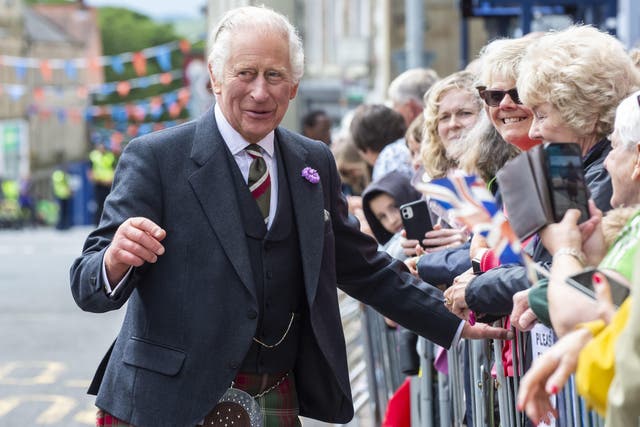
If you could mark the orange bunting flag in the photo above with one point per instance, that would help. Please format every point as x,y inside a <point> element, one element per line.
<point>139,113</point>
<point>38,94</point>
<point>156,101</point>
<point>165,78</point>
<point>116,142</point>
<point>185,46</point>
<point>45,70</point>
<point>123,88</point>
<point>139,63</point>
<point>82,92</point>
<point>94,65</point>
<point>116,138</point>
<point>174,110</point>
<point>75,116</point>
<point>183,96</point>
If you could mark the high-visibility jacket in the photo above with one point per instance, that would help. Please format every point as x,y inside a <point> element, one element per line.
<point>103,166</point>
<point>10,189</point>
<point>61,187</point>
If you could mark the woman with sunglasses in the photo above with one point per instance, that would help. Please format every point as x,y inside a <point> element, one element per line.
<point>573,90</point>
<point>500,61</point>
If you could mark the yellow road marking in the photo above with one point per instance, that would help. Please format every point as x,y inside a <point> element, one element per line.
<point>59,406</point>
<point>48,374</point>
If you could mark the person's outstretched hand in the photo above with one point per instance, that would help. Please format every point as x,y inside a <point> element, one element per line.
<point>522,317</point>
<point>548,374</point>
<point>454,296</point>
<point>443,238</point>
<point>135,242</point>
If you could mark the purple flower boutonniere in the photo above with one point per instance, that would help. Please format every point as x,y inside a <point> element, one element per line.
<point>311,175</point>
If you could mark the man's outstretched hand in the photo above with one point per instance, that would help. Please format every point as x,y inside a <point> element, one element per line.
<point>481,331</point>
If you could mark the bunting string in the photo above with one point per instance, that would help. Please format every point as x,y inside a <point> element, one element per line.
<point>153,108</point>
<point>162,54</point>
<point>17,91</point>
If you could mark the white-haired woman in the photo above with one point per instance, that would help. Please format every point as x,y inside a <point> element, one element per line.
<point>594,239</point>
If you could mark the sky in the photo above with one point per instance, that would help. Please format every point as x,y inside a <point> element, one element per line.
<point>156,8</point>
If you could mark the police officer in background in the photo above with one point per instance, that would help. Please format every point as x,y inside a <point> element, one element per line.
<point>103,164</point>
<point>62,192</point>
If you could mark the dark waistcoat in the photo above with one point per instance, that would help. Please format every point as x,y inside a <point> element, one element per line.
<point>277,273</point>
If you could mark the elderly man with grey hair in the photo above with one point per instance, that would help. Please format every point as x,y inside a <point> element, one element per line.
<point>406,92</point>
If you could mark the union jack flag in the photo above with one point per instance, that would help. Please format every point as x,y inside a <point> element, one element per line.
<point>467,199</point>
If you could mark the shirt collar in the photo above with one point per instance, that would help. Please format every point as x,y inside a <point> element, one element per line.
<point>234,140</point>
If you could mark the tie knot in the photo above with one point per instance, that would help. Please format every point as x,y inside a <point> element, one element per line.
<point>254,150</point>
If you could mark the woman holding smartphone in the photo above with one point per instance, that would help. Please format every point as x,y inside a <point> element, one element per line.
<point>589,243</point>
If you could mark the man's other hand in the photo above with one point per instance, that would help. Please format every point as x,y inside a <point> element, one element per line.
<point>135,242</point>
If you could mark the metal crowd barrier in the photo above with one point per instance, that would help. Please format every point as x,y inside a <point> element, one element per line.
<point>438,400</point>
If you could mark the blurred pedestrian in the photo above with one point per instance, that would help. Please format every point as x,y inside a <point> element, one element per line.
<point>317,125</point>
<point>378,132</point>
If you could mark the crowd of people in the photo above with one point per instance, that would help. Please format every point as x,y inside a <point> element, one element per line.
<point>182,241</point>
<point>557,87</point>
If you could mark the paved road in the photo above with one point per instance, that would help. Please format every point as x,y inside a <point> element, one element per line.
<point>49,348</point>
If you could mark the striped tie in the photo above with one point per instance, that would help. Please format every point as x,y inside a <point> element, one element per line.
<point>259,180</point>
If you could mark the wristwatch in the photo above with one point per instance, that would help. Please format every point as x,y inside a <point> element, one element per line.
<point>476,262</point>
<point>475,265</point>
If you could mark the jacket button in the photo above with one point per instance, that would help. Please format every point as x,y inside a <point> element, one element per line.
<point>269,275</point>
<point>233,365</point>
<point>252,314</point>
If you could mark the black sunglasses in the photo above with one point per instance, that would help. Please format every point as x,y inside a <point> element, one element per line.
<point>493,97</point>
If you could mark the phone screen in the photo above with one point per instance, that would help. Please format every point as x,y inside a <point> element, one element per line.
<point>583,281</point>
<point>567,186</point>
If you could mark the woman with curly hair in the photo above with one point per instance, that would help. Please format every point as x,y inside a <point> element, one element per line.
<point>452,108</point>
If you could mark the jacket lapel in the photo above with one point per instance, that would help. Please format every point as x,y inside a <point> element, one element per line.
<point>213,185</point>
<point>308,208</point>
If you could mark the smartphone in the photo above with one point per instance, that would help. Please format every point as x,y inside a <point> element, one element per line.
<point>416,219</point>
<point>565,176</point>
<point>583,281</point>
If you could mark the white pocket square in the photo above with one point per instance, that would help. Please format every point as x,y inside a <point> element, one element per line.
<point>327,215</point>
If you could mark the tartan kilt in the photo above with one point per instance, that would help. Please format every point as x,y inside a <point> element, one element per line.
<point>279,406</point>
<point>104,419</point>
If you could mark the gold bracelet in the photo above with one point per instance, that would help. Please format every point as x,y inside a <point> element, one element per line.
<point>576,253</point>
